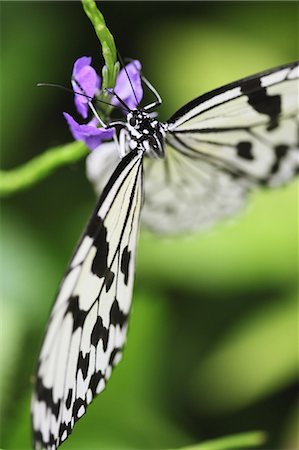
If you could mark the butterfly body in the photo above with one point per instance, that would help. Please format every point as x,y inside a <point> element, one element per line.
<point>145,133</point>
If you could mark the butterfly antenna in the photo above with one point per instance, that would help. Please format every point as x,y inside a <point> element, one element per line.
<point>111,92</point>
<point>64,88</point>
<point>125,69</point>
<point>90,104</point>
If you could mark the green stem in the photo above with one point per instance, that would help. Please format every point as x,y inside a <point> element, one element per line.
<point>235,441</point>
<point>42,166</point>
<point>107,42</point>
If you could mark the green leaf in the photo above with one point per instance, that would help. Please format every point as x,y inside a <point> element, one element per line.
<point>256,358</point>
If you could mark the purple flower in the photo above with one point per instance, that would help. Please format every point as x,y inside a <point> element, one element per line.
<point>85,79</point>
<point>90,134</point>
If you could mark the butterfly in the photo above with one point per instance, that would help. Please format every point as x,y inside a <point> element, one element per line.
<point>201,164</point>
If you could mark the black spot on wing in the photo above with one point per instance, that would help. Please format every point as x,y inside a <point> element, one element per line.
<point>117,317</point>
<point>94,226</point>
<point>45,394</point>
<point>125,261</point>
<point>100,262</point>
<point>38,438</point>
<point>259,99</point>
<point>69,398</point>
<point>77,405</point>
<point>83,364</point>
<point>62,429</point>
<point>114,353</point>
<point>78,314</point>
<point>280,152</point>
<point>244,150</point>
<point>99,332</point>
<point>109,279</point>
<point>94,381</point>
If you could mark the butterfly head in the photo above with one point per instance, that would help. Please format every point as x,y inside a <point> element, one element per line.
<point>146,133</point>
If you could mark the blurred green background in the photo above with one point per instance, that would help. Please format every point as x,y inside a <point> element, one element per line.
<point>212,345</point>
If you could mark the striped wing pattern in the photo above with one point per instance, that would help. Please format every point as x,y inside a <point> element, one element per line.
<point>220,146</point>
<point>88,323</point>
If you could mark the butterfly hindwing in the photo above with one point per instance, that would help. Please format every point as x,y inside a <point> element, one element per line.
<point>183,195</point>
<point>88,323</point>
<point>222,145</point>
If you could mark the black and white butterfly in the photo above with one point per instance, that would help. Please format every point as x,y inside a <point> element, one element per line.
<point>201,164</point>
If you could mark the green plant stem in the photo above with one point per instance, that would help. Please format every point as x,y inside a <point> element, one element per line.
<point>234,441</point>
<point>107,42</point>
<point>29,174</point>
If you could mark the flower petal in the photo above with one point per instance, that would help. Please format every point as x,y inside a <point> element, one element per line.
<point>90,134</point>
<point>85,79</point>
<point>123,87</point>
<point>80,63</point>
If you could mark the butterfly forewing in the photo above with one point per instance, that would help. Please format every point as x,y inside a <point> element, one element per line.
<point>87,327</point>
<point>220,146</point>
<point>250,127</point>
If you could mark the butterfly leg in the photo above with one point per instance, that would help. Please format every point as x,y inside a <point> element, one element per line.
<point>153,90</point>
<point>95,113</point>
<point>103,124</point>
<point>121,142</point>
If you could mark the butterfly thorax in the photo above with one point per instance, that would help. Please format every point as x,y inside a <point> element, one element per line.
<point>146,133</point>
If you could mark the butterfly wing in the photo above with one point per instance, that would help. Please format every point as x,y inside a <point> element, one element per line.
<point>184,194</point>
<point>220,146</point>
<point>88,323</point>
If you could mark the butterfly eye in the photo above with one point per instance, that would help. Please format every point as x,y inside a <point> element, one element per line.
<point>133,121</point>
